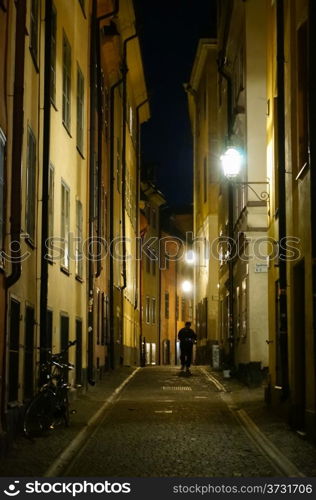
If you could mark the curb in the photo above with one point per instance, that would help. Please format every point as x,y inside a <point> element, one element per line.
<point>69,453</point>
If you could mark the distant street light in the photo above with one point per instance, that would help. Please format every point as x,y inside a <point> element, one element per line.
<point>187,286</point>
<point>190,257</point>
<point>232,161</point>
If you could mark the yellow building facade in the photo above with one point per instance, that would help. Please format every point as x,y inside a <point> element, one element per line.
<point>72,183</point>
<point>289,155</point>
<point>201,92</point>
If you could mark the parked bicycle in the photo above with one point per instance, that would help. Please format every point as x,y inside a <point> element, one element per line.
<point>50,406</point>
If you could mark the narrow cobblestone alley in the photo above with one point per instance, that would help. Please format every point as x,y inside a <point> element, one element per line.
<point>165,424</point>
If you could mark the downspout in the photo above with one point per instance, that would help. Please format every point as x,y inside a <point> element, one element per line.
<point>45,181</point>
<point>138,173</point>
<point>111,222</point>
<point>139,276</point>
<point>282,334</point>
<point>221,69</point>
<point>91,191</point>
<point>312,145</point>
<point>17,143</point>
<point>100,124</point>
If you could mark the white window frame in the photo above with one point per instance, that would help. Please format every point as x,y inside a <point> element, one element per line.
<point>65,224</point>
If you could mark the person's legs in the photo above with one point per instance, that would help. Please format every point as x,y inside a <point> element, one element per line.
<point>182,358</point>
<point>188,357</point>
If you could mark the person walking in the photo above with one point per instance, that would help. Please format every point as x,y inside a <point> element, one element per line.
<point>187,338</point>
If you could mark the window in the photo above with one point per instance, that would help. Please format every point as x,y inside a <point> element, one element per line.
<point>66,82</point>
<point>65,209</point>
<point>154,218</point>
<point>14,346</point>
<point>153,265</point>
<point>183,303</point>
<point>29,352</point>
<point>244,308</point>
<point>51,181</point>
<point>148,261</point>
<point>53,56</point>
<point>79,352</point>
<point>2,205</point>
<point>34,30</point>
<point>49,335</point>
<point>167,305</point>
<point>96,187</point>
<point>64,339</point>
<point>147,310</point>
<point>177,308</point>
<point>80,109</point>
<point>82,5</point>
<point>79,261</point>
<point>118,164</point>
<point>30,185</point>
<point>205,180</point>
<point>153,311</point>
<point>302,97</point>
<point>131,120</point>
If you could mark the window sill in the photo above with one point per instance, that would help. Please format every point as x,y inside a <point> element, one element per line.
<point>65,270</point>
<point>67,129</point>
<point>79,279</point>
<point>302,172</point>
<point>81,154</point>
<point>53,104</point>
<point>34,60</point>
<point>30,242</point>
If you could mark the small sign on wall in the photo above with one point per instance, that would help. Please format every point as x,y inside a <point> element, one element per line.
<point>261,268</point>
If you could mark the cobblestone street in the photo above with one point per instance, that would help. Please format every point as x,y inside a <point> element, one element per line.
<point>164,423</point>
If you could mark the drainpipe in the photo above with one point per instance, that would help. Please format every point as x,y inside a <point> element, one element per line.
<point>139,289</point>
<point>45,181</point>
<point>282,333</point>
<point>17,143</point>
<point>111,231</point>
<point>91,191</point>
<point>312,143</point>
<point>100,124</point>
<point>138,173</point>
<point>221,69</point>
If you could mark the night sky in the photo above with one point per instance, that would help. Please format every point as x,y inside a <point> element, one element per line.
<point>169,34</point>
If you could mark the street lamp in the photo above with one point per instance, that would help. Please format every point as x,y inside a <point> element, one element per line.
<point>232,161</point>
<point>187,286</point>
<point>190,257</point>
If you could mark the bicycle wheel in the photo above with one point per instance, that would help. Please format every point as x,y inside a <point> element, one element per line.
<point>63,405</point>
<point>38,415</point>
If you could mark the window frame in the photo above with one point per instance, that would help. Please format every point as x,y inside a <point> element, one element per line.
<point>147,310</point>
<point>153,310</point>
<point>3,151</point>
<point>79,239</point>
<point>34,30</point>
<point>66,83</point>
<point>53,56</point>
<point>30,209</point>
<point>80,110</point>
<point>51,198</point>
<point>167,305</point>
<point>65,224</point>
